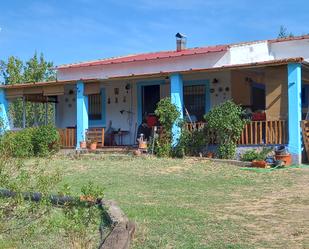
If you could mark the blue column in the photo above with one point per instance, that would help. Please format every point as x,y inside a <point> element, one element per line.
<point>81,113</point>
<point>4,112</point>
<point>294,111</point>
<point>177,99</point>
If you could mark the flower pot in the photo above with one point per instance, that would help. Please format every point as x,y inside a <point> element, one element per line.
<point>259,164</point>
<point>93,146</point>
<point>142,145</point>
<point>287,159</point>
<point>83,145</point>
<point>210,154</point>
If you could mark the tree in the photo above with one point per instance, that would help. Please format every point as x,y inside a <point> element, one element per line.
<point>283,32</point>
<point>36,69</point>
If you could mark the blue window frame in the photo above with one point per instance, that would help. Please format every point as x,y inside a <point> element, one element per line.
<point>97,115</point>
<point>196,98</point>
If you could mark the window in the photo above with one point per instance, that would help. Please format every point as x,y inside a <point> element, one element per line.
<point>305,96</point>
<point>194,102</point>
<point>95,107</point>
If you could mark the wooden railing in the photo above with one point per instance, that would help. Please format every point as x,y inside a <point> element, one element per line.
<point>67,138</point>
<point>264,132</point>
<point>256,132</point>
<point>97,135</point>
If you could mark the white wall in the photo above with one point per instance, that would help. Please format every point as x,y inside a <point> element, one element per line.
<point>123,121</point>
<point>199,61</point>
<point>66,108</point>
<point>290,49</point>
<point>248,53</point>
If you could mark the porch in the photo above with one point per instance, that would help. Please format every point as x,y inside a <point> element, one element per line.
<point>112,109</point>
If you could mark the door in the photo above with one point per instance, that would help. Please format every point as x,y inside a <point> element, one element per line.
<point>150,99</point>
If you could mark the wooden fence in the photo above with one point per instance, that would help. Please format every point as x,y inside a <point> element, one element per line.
<point>256,132</point>
<point>68,137</point>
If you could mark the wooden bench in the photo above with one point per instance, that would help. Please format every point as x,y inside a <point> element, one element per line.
<point>96,134</point>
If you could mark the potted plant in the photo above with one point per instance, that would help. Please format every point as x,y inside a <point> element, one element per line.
<point>93,145</point>
<point>83,143</point>
<point>257,158</point>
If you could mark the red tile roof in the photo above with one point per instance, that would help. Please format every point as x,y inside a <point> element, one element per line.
<point>293,38</point>
<point>171,54</point>
<point>148,56</point>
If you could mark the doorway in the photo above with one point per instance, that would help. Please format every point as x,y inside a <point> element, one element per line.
<point>150,99</point>
<point>258,97</point>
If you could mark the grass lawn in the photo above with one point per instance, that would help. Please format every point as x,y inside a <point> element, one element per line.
<point>191,203</point>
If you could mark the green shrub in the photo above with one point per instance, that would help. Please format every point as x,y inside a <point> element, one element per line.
<point>225,120</point>
<point>251,155</point>
<point>168,115</point>
<point>45,140</point>
<point>17,144</point>
<point>192,143</point>
<point>40,141</point>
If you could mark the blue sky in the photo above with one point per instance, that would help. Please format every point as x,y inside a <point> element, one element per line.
<point>70,31</point>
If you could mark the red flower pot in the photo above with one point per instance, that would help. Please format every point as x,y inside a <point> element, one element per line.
<point>83,145</point>
<point>287,159</point>
<point>259,164</point>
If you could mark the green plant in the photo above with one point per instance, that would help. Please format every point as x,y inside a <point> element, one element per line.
<point>24,221</point>
<point>40,141</point>
<point>17,144</point>
<point>45,140</point>
<point>191,143</point>
<point>251,155</point>
<point>226,122</point>
<point>168,115</point>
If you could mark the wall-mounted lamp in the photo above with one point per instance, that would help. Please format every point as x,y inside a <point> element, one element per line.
<point>215,81</point>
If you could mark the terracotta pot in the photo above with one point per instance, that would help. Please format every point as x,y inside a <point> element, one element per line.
<point>259,164</point>
<point>93,146</point>
<point>83,145</point>
<point>210,154</point>
<point>137,153</point>
<point>287,159</point>
<point>142,145</point>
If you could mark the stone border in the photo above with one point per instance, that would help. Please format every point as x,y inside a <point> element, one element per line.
<point>122,229</point>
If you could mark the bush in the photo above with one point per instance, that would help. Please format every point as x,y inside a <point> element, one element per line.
<point>17,144</point>
<point>40,141</point>
<point>168,115</point>
<point>192,143</point>
<point>225,120</point>
<point>45,140</point>
<point>251,155</point>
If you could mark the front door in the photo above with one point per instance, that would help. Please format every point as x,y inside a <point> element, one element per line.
<point>150,99</point>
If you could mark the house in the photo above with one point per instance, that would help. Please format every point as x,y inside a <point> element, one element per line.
<point>270,75</point>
